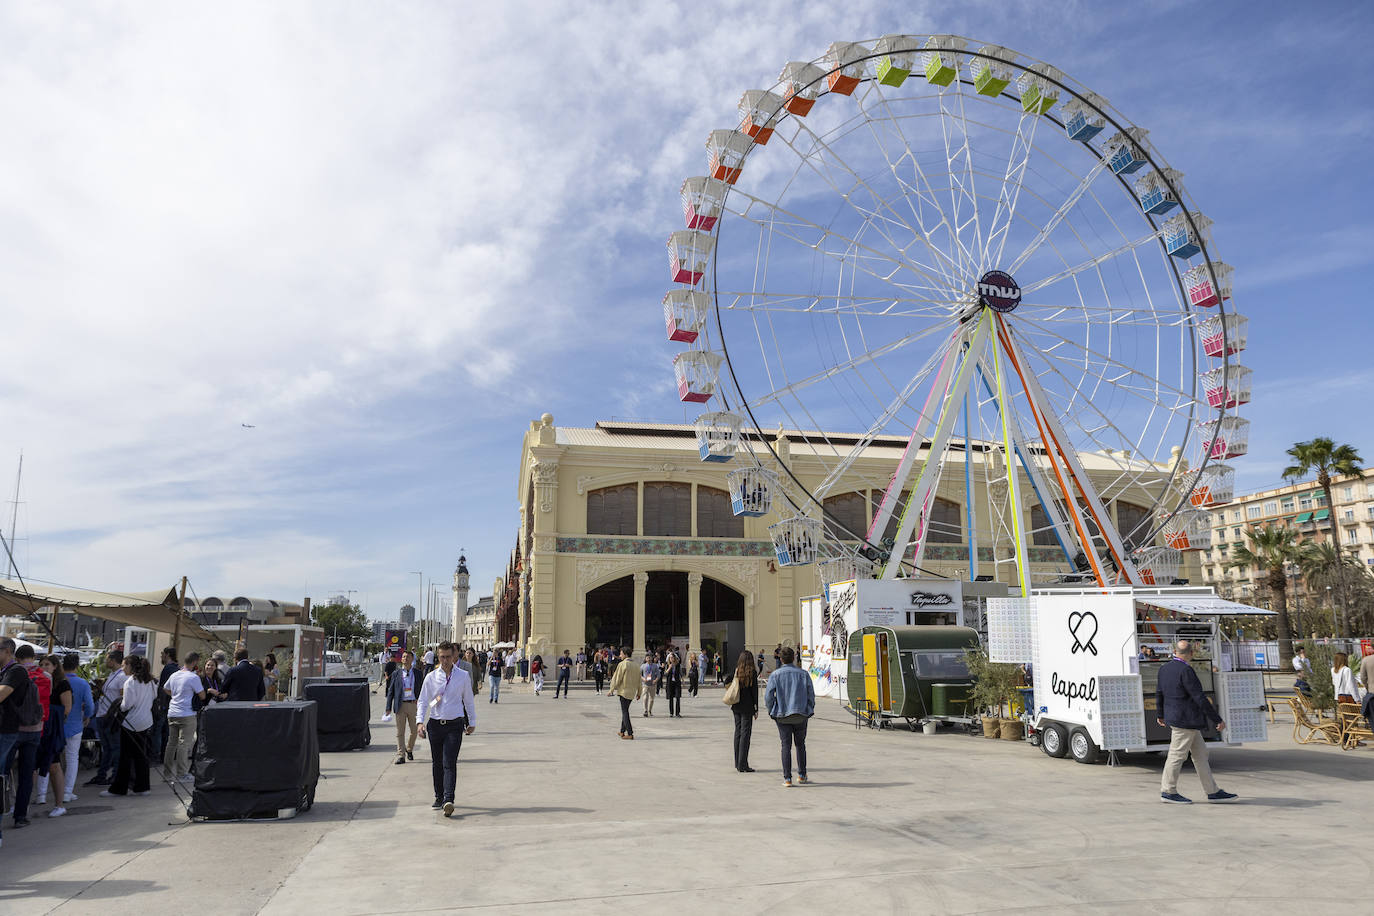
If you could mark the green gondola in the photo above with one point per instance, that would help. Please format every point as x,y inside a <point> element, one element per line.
<point>917,673</point>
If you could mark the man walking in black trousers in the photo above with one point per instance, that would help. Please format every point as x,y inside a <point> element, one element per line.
<point>447,713</point>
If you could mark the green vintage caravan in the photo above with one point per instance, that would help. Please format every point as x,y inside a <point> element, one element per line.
<point>914,673</point>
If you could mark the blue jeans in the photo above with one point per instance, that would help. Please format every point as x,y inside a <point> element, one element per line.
<point>791,734</point>
<point>109,749</point>
<point>24,747</point>
<point>495,682</point>
<point>564,675</point>
<point>445,741</point>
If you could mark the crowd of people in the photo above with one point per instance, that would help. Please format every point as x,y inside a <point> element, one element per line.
<point>142,718</point>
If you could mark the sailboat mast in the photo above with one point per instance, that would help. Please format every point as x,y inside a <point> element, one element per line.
<point>14,517</point>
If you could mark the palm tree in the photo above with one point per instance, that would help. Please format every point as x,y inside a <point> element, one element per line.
<point>1327,458</point>
<point>1322,567</point>
<point>1271,548</point>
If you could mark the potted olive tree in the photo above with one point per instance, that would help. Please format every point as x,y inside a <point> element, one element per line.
<point>993,686</point>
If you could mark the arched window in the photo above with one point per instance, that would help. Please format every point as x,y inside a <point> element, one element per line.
<point>1042,533</point>
<point>847,510</point>
<point>946,525</point>
<point>613,510</point>
<point>667,509</point>
<point>715,517</point>
<point>1132,523</point>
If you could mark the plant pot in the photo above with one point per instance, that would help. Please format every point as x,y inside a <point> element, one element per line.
<point>1012,729</point>
<point>992,728</point>
<point>930,727</point>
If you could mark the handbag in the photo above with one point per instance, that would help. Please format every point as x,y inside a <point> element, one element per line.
<point>731,693</point>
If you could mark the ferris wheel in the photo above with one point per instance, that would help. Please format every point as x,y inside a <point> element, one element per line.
<point>956,256</point>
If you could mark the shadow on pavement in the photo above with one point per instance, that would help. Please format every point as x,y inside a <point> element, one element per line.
<point>1281,802</point>
<point>350,810</point>
<point>105,889</point>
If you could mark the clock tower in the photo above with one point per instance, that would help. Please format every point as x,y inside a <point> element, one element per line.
<point>460,597</point>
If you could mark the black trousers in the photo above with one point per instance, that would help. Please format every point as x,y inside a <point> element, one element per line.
<point>625,727</point>
<point>600,681</point>
<point>445,741</point>
<point>133,762</point>
<point>675,699</point>
<point>790,735</point>
<point>692,683</point>
<point>564,677</point>
<point>744,730</point>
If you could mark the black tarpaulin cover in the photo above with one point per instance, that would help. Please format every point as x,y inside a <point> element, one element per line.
<point>252,759</point>
<point>343,716</point>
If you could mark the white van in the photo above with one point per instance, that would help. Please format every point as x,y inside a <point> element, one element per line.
<point>334,664</point>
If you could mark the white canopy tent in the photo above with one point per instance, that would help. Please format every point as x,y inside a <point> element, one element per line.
<point>158,611</point>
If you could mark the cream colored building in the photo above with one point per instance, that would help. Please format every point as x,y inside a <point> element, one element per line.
<point>627,537</point>
<point>479,624</point>
<point>1301,506</point>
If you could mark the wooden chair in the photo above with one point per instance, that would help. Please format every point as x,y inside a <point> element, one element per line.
<point>1353,727</point>
<point>1317,732</point>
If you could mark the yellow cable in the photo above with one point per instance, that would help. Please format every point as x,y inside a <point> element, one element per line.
<point>1018,536</point>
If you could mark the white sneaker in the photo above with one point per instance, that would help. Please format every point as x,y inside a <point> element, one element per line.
<point>41,800</point>
<point>106,793</point>
<point>57,812</point>
<point>69,797</point>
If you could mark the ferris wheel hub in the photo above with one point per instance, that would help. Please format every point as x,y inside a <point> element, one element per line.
<point>998,291</point>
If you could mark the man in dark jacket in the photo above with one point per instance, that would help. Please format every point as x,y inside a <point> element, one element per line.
<point>244,681</point>
<point>1183,707</point>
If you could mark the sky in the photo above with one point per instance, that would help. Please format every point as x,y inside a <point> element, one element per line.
<point>386,238</point>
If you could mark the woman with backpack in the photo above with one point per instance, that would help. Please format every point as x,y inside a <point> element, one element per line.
<point>537,674</point>
<point>136,708</point>
<point>53,745</point>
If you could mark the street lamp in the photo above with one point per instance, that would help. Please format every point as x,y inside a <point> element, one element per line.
<point>420,608</point>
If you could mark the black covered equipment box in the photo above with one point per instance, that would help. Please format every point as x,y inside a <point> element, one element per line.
<point>255,759</point>
<point>344,713</point>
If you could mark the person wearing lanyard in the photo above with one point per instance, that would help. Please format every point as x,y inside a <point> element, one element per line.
<point>402,698</point>
<point>447,714</point>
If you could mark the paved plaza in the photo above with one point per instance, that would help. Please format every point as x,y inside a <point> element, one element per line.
<point>556,812</point>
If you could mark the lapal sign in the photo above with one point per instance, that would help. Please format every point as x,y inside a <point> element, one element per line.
<point>1075,638</point>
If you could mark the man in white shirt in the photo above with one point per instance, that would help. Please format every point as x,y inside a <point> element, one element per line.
<point>429,658</point>
<point>111,691</point>
<point>182,686</point>
<point>447,713</point>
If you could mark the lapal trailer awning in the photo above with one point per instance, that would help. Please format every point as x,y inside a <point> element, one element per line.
<point>149,610</point>
<point>1203,606</point>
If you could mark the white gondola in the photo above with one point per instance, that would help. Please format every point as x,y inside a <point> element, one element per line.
<point>702,199</point>
<point>685,311</point>
<point>689,254</point>
<point>1189,529</point>
<point>897,58</point>
<point>795,540</point>
<point>992,72</point>
<point>725,152</point>
<point>801,84</point>
<point>842,569</point>
<point>1215,485</point>
<point>1039,86</point>
<point>846,62</point>
<point>1153,191</point>
<point>1228,437</point>
<point>698,374</point>
<point>751,490</point>
<point>758,112</point>
<point>942,59</point>
<point>1224,335</point>
<point>1083,119</point>
<point>1124,152</point>
<point>1157,565</point>
<point>1202,293</point>
<point>1182,239</point>
<point>1227,386</point>
<point>718,435</point>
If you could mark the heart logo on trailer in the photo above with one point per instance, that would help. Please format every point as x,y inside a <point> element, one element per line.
<point>998,291</point>
<point>1083,627</point>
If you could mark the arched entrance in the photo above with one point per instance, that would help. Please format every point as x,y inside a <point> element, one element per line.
<point>722,621</point>
<point>611,613</point>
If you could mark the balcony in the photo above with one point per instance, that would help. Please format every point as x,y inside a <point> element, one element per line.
<point>1350,520</point>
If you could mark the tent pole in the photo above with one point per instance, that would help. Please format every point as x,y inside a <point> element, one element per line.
<point>181,610</point>
<point>52,631</point>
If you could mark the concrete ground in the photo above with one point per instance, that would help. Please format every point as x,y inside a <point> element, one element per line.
<point>556,814</point>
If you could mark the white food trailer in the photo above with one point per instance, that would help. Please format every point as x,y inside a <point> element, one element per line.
<point>1093,691</point>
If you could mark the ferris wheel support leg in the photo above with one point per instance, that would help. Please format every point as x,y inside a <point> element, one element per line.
<point>930,469</point>
<point>888,504</point>
<point>1058,523</point>
<point>1064,446</point>
<point>970,504</point>
<point>1018,531</point>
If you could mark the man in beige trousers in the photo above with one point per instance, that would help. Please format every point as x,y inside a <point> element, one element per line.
<point>406,682</point>
<point>1185,709</point>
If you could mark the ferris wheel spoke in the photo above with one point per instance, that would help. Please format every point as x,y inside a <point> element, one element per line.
<point>1091,263</point>
<point>832,305</point>
<point>870,217</point>
<point>967,192</point>
<point>1059,215</point>
<point>790,225</point>
<point>1075,313</point>
<point>1010,192</point>
<point>953,269</point>
<point>791,388</point>
<point>1085,355</point>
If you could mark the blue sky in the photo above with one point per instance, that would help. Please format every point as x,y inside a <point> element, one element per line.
<point>389,240</point>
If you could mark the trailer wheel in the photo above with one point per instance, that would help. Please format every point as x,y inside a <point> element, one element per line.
<point>1054,739</point>
<point>1082,748</point>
